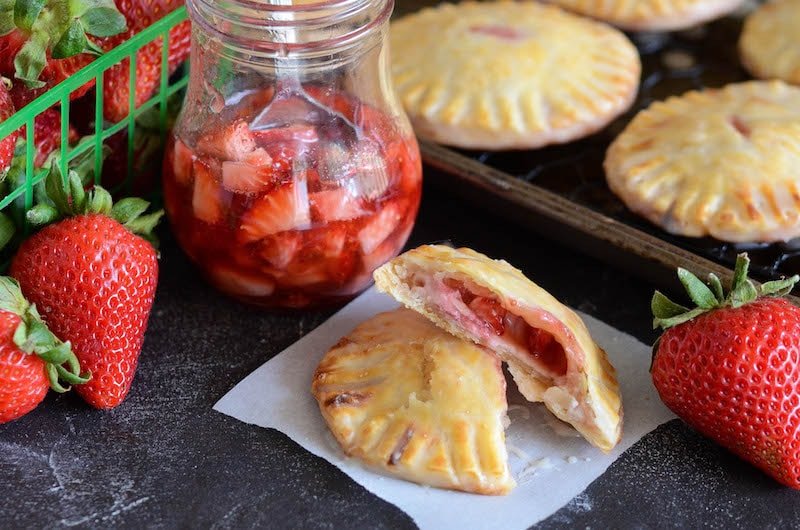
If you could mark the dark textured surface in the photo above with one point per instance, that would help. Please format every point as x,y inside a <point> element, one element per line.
<point>165,459</point>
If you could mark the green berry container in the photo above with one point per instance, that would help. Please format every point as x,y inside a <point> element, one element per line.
<point>21,183</point>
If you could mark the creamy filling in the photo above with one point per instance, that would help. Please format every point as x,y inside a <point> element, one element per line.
<point>478,311</point>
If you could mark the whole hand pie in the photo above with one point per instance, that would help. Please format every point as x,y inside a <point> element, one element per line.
<point>549,351</point>
<point>719,162</point>
<point>406,397</point>
<point>770,42</point>
<point>510,75</point>
<point>651,15</point>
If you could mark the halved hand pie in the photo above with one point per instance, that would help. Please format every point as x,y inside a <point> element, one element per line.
<point>548,349</point>
<point>404,396</point>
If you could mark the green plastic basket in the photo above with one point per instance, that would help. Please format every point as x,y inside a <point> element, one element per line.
<point>60,94</point>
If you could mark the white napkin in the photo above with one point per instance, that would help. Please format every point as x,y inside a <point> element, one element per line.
<point>551,463</point>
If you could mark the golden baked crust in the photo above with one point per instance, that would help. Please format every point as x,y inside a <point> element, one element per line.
<point>508,75</point>
<point>769,45</point>
<point>583,393</point>
<point>651,15</point>
<point>719,162</point>
<point>408,398</point>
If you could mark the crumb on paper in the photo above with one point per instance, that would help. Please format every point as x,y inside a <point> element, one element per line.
<point>519,453</point>
<point>536,465</point>
<point>678,60</point>
<point>571,459</point>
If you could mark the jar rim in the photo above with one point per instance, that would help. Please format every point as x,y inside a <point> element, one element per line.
<point>235,23</point>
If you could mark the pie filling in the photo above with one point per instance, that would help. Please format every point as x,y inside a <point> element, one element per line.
<point>480,313</point>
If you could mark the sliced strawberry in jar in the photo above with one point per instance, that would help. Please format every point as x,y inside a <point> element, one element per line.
<point>378,228</point>
<point>233,142</point>
<point>206,197</point>
<point>305,273</point>
<point>286,208</point>
<point>335,205</point>
<point>293,133</point>
<point>252,175</point>
<point>241,282</point>
<point>182,160</point>
<point>385,251</point>
<point>279,250</point>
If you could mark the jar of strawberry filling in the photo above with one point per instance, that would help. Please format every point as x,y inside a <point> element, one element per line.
<point>292,172</point>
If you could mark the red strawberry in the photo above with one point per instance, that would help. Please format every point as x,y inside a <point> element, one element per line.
<point>140,14</point>
<point>8,143</point>
<point>31,358</point>
<point>94,281</point>
<point>47,135</point>
<point>731,367</point>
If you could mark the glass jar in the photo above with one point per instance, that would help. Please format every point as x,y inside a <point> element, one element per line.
<point>292,172</point>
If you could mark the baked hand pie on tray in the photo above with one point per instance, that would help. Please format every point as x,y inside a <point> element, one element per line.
<point>651,15</point>
<point>719,162</point>
<point>770,42</point>
<point>510,74</point>
<point>414,401</point>
<point>549,351</point>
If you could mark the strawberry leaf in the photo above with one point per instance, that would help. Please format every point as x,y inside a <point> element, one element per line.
<point>665,323</point>
<point>697,290</point>
<point>41,214</point>
<point>743,294</point>
<point>7,230</point>
<point>779,287</point>
<point>77,193</point>
<point>716,286</point>
<point>100,201</point>
<point>11,298</point>
<point>31,60</point>
<point>740,271</point>
<point>72,42</point>
<point>26,12</point>
<point>7,24</point>
<point>104,21</point>
<point>129,209</point>
<point>663,307</point>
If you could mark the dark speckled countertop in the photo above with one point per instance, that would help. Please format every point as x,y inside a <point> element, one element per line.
<point>164,459</point>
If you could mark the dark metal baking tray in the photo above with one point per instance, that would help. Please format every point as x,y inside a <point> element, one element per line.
<point>560,191</point>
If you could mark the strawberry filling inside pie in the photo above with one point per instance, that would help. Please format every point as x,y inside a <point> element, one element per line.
<point>480,313</point>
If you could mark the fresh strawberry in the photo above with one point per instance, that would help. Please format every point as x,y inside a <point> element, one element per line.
<point>47,135</point>
<point>93,279</point>
<point>140,14</point>
<point>47,41</point>
<point>731,367</point>
<point>8,143</point>
<point>284,209</point>
<point>31,357</point>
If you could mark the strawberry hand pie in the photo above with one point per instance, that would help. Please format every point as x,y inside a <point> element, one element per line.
<point>549,351</point>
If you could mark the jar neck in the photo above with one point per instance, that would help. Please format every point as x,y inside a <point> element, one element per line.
<point>291,32</point>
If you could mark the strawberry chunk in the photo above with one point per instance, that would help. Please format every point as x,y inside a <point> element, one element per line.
<point>252,175</point>
<point>279,250</point>
<point>385,251</point>
<point>379,228</point>
<point>234,142</point>
<point>303,274</point>
<point>241,282</point>
<point>490,312</point>
<point>182,160</point>
<point>206,199</point>
<point>546,349</point>
<point>282,210</point>
<point>335,205</point>
<point>293,133</point>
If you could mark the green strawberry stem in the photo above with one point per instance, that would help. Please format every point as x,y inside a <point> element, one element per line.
<point>34,338</point>
<point>67,198</point>
<point>59,26</point>
<point>711,295</point>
